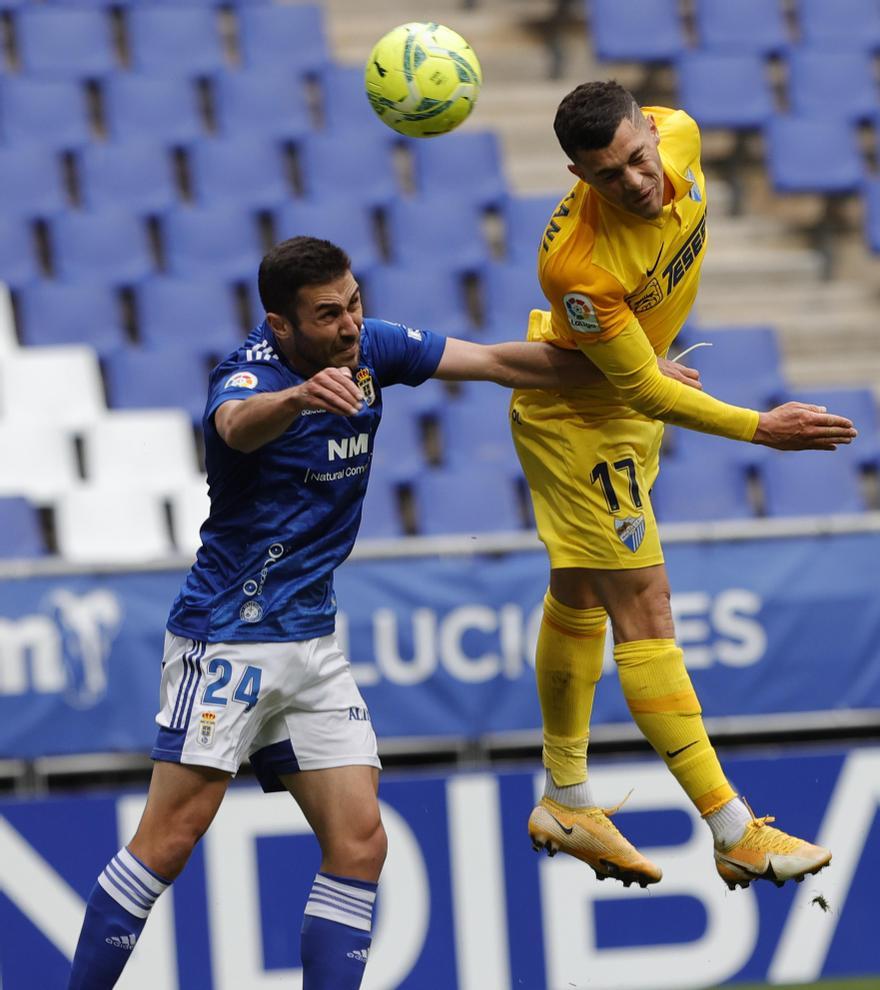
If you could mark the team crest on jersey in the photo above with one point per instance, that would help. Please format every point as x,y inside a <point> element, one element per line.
<point>631,531</point>
<point>694,191</point>
<point>251,612</point>
<point>365,383</point>
<point>580,312</point>
<point>206,728</point>
<point>242,379</point>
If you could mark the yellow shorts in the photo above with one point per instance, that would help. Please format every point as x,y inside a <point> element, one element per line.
<point>590,477</point>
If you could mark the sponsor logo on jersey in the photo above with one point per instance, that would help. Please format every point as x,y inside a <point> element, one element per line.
<point>646,298</point>
<point>553,227</point>
<point>348,447</point>
<point>242,379</point>
<point>580,312</point>
<point>364,381</point>
<point>251,612</point>
<point>357,714</point>
<point>206,728</point>
<point>675,271</point>
<point>122,941</point>
<point>694,191</point>
<point>631,531</point>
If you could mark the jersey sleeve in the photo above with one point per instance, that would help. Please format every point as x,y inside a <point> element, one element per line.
<point>240,380</point>
<point>403,355</point>
<point>588,306</point>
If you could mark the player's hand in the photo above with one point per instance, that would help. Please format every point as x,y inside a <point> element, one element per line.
<point>680,373</point>
<point>798,426</point>
<point>332,389</point>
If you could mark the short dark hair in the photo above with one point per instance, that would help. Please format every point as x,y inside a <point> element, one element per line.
<point>294,263</point>
<point>588,117</point>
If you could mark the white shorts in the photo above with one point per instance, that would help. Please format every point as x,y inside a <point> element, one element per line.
<point>286,706</point>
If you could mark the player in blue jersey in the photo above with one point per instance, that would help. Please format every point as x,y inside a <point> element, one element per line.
<point>251,666</point>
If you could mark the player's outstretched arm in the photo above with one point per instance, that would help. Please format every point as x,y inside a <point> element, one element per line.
<point>797,426</point>
<point>248,424</point>
<point>516,364</point>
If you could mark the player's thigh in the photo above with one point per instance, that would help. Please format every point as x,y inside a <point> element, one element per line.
<point>340,803</point>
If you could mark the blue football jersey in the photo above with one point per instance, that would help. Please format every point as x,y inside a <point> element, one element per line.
<point>284,517</point>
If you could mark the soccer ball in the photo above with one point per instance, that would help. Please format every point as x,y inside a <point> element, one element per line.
<point>422,79</point>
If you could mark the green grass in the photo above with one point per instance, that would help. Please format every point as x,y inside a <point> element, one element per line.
<point>869,983</point>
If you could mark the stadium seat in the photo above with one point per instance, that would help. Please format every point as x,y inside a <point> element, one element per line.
<point>705,449</point>
<point>812,483</point>
<point>268,102</point>
<point>20,532</point>
<point>647,31</point>
<point>64,43</point>
<point>110,244</point>
<point>436,230</point>
<point>849,23</point>
<point>344,105</point>
<point>421,298</point>
<point>813,154</point>
<point>330,165</point>
<point>525,220</point>
<point>55,385</point>
<point>472,500</point>
<point>348,224</point>
<point>872,214</point>
<point>158,379</point>
<point>699,491</point>
<point>723,90</point>
<point>510,291</point>
<point>216,241</point>
<point>412,405</point>
<point>827,83</point>
<point>80,312</point>
<point>190,315</point>
<point>30,182</point>
<point>283,35</point>
<point>398,449</point>
<point>18,255</point>
<point>754,27</point>
<point>476,430</point>
<point>190,506</point>
<point>47,112</point>
<point>150,449</point>
<point>95,526</point>
<point>465,165</point>
<point>231,171</point>
<point>381,518</point>
<point>858,405</point>
<point>152,108</point>
<point>182,41</point>
<point>40,478</point>
<point>135,175</point>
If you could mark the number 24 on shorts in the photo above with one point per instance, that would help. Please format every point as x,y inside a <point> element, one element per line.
<point>247,690</point>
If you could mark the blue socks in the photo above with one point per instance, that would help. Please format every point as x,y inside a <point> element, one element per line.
<point>116,913</point>
<point>336,932</point>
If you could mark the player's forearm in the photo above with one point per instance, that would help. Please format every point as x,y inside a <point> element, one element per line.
<point>527,364</point>
<point>251,423</point>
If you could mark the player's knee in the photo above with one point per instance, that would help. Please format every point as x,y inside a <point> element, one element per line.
<point>360,851</point>
<point>175,844</point>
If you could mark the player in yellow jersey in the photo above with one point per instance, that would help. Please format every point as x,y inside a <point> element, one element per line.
<point>619,263</point>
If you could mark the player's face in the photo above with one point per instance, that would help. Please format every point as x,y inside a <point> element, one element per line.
<point>327,331</point>
<point>628,173</point>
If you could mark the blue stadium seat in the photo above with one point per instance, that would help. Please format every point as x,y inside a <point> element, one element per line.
<point>525,220</point>
<point>745,27</point>
<point>283,35</point>
<point>416,405</point>
<point>465,165</point>
<point>48,112</point>
<point>476,431</point>
<point>13,4</point>
<point>705,448</point>
<point>724,90</point>
<point>268,102</point>
<point>858,405</point>
<point>436,230</point>
<point>20,532</point>
<point>510,291</point>
<point>218,241</point>
<point>18,255</point>
<point>852,23</point>
<point>811,154</point>
<point>470,500</point>
<point>349,225</point>
<point>136,175</point>
<point>647,31</point>
<point>381,518</point>
<point>698,491</point>
<point>156,108</point>
<point>422,298</point>
<point>810,483</point>
<point>104,4</point>
<point>249,173</point>
<point>169,378</point>
<point>344,104</point>
<point>67,44</point>
<point>331,165</point>
<point>191,314</point>
<point>872,214</point>
<point>399,452</point>
<point>183,41</point>
<point>108,245</point>
<point>828,83</point>
<point>81,312</point>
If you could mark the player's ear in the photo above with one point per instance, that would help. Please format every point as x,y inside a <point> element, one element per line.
<point>281,326</point>
<point>576,170</point>
<point>652,127</point>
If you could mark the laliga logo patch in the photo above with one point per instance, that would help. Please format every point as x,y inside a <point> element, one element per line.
<point>206,728</point>
<point>631,531</point>
<point>243,379</point>
<point>580,312</point>
<point>364,381</point>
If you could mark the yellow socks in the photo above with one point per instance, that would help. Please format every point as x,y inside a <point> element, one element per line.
<point>665,707</point>
<point>568,665</point>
